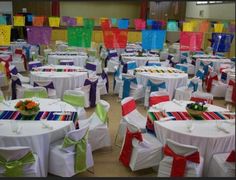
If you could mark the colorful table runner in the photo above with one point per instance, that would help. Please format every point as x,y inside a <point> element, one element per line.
<point>58,70</point>
<point>50,116</point>
<point>155,116</point>
<point>158,71</point>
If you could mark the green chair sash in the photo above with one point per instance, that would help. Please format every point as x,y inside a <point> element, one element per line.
<point>101,113</point>
<point>1,98</point>
<point>80,150</point>
<point>15,168</point>
<point>39,94</point>
<point>73,100</point>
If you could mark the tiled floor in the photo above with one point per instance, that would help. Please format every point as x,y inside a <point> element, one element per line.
<point>106,163</point>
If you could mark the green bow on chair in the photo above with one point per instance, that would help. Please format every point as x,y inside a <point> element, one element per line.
<point>39,94</point>
<point>73,100</point>
<point>101,113</point>
<point>80,150</point>
<point>14,168</point>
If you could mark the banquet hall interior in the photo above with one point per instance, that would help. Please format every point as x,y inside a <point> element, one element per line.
<point>99,88</point>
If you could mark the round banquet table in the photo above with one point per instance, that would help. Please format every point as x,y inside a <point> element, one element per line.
<point>204,135</point>
<point>140,61</point>
<point>79,60</point>
<point>62,80</point>
<point>33,134</point>
<point>216,63</point>
<point>172,80</point>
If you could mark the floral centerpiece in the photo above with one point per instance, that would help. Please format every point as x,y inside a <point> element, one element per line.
<point>140,53</point>
<point>27,107</point>
<point>196,109</point>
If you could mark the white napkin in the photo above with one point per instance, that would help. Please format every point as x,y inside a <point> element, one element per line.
<point>18,131</point>
<point>46,125</point>
<point>177,102</point>
<point>222,129</point>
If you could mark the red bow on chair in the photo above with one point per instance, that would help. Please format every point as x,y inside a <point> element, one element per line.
<point>231,157</point>
<point>179,162</point>
<point>128,107</point>
<point>127,148</point>
<point>209,82</point>
<point>232,83</point>
<point>158,99</point>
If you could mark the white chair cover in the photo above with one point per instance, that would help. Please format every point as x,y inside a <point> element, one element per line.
<point>192,169</point>
<point>61,160</point>
<point>17,152</point>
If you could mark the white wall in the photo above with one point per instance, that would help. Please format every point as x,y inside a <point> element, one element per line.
<point>6,7</point>
<point>224,11</point>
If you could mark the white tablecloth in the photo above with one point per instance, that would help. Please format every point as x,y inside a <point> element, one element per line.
<point>216,63</point>
<point>33,133</point>
<point>204,135</point>
<point>62,80</point>
<point>79,60</point>
<point>140,61</point>
<point>173,80</point>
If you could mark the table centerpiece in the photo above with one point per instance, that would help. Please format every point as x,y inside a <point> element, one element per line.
<point>196,109</point>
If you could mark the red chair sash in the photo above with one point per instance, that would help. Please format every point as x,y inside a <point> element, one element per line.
<point>158,99</point>
<point>179,162</point>
<point>128,107</point>
<point>209,82</point>
<point>197,99</point>
<point>127,148</point>
<point>233,97</point>
<point>18,51</point>
<point>231,157</point>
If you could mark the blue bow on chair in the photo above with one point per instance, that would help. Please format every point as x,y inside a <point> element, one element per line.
<point>116,74</point>
<point>193,85</point>
<point>155,86</point>
<point>205,67</point>
<point>183,59</point>
<point>200,74</point>
<point>126,86</point>
<point>182,68</point>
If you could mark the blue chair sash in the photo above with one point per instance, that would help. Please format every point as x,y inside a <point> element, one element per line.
<point>13,87</point>
<point>182,68</point>
<point>155,86</point>
<point>205,67</point>
<point>91,67</point>
<point>48,86</point>
<point>193,85</point>
<point>126,86</point>
<point>200,74</point>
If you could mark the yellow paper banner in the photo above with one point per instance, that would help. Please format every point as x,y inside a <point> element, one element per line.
<point>187,26</point>
<point>54,21</point>
<point>102,19</point>
<point>5,35</point>
<point>218,28</point>
<point>19,20</point>
<point>79,21</point>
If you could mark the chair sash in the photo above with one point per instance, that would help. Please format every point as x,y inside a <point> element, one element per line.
<point>34,65</point>
<point>47,86</point>
<point>193,62</point>
<point>90,66</point>
<point>14,70</point>
<point>198,99</point>
<point>179,161</point>
<point>74,100</point>
<point>7,65</point>
<point>27,51</point>
<point>104,76</point>
<point>182,68</point>
<point>15,168</point>
<point>210,81</point>
<point>233,97</point>
<point>150,63</point>
<point>128,107</point>
<point>155,86</point>
<point>80,152</point>
<point>193,85</point>
<point>116,74</point>
<point>127,148</point>
<point>128,66</point>
<point>13,87</point>
<point>101,113</point>
<point>206,67</point>
<point>200,74</point>
<point>183,60</point>
<point>223,76</point>
<point>231,157</point>
<point>158,99</point>
<point>39,94</point>
<point>92,92</point>
<point>69,63</point>
<point>126,86</point>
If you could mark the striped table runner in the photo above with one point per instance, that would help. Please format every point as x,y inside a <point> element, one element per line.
<point>50,116</point>
<point>155,116</point>
<point>58,70</point>
<point>157,71</point>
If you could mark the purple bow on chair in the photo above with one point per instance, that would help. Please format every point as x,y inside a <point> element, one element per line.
<point>15,81</point>
<point>92,92</point>
<point>49,85</point>
<point>68,62</point>
<point>90,66</point>
<point>33,65</point>
<point>14,70</point>
<point>104,76</point>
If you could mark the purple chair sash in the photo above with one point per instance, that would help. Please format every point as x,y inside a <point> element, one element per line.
<point>92,92</point>
<point>13,87</point>
<point>14,71</point>
<point>47,86</point>
<point>104,76</point>
<point>91,67</point>
<point>33,65</point>
<point>70,63</point>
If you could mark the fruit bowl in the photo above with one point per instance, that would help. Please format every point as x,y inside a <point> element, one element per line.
<point>196,110</point>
